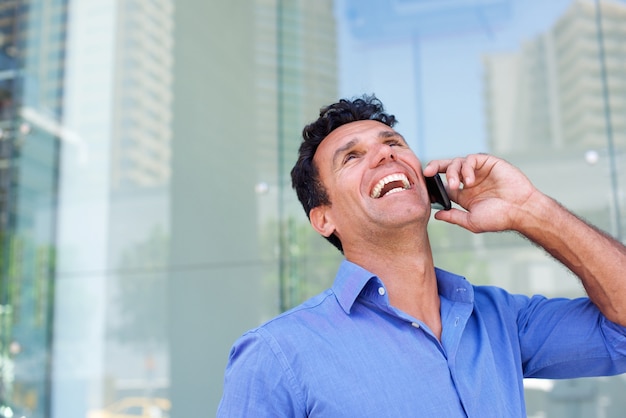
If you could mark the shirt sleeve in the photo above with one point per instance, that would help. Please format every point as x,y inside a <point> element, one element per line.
<point>569,338</point>
<point>258,381</point>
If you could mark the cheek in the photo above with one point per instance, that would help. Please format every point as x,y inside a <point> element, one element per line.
<point>411,159</point>
<point>345,193</point>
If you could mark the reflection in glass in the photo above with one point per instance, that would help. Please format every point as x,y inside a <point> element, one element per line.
<point>538,83</point>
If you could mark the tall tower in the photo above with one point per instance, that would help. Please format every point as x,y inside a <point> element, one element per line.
<point>32,50</point>
<point>142,102</point>
<point>549,95</point>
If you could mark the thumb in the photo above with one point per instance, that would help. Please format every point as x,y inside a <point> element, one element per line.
<point>454,216</point>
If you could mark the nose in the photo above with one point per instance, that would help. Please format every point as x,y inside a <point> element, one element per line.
<point>384,154</point>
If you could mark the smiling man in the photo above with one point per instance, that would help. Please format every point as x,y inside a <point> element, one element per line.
<point>397,337</point>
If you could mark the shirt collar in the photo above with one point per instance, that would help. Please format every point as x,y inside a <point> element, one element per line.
<point>453,287</point>
<point>349,282</point>
<point>351,279</point>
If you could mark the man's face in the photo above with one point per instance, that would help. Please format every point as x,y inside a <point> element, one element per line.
<point>373,180</point>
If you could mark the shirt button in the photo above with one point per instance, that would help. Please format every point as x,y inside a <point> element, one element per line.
<point>381,290</point>
<point>415,324</point>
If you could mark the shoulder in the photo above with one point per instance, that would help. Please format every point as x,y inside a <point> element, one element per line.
<point>291,326</point>
<point>499,297</point>
<point>324,303</point>
<point>458,289</point>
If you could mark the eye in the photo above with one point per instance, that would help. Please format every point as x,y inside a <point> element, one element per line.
<point>394,143</point>
<point>349,156</point>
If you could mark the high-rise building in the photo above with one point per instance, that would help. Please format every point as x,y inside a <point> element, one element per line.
<point>142,102</point>
<point>8,75</point>
<point>32,50</point>
<point>553,94</point>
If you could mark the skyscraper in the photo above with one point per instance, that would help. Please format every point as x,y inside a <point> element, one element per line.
<point>550,95</point>
<point>142,102</point>
<point>32,71</point>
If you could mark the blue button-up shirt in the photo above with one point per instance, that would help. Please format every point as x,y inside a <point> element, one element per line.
<point>348,353</point>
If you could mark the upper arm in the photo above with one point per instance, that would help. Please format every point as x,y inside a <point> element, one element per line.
<point>258,381</point>
<point>563,338</point>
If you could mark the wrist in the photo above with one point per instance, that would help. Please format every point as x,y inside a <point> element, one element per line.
<point>537,215</point>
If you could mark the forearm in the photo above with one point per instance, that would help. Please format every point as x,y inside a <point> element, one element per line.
<point>595,257</point>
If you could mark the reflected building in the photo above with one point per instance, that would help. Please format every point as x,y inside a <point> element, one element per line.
<point>109,333</point>
<point>142,94</point>
<point>549,96</point>
<point>32,51</point>
<point>8,85</point>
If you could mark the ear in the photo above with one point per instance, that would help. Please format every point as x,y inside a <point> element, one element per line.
<point>321,220</point>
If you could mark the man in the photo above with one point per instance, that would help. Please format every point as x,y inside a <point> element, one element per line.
<point>397,337</point>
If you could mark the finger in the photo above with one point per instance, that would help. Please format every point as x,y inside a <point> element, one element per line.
<point>436,166</point>
<point>468,171</point>
<point>476,163</point>
<point>453,173</point>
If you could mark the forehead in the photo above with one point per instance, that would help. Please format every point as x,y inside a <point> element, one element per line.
<point>350,132</point>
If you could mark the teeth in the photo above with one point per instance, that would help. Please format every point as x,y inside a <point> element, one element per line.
<point>386,180</point>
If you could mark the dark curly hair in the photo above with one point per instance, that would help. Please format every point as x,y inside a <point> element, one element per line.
<point>304,175</point>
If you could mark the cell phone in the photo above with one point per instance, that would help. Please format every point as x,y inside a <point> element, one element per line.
<point>439,198</point>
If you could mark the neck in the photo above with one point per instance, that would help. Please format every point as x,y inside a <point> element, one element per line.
<point>408,272</point>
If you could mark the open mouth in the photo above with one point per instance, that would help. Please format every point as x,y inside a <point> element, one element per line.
<point>392,183</point>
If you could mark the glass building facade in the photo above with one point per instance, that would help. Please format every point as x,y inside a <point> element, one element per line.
<point>146,212</point>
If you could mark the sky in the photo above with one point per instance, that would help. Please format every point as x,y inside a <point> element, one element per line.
<point>439,72</point>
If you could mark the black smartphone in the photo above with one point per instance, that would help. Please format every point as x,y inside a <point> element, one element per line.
<point>438,196</point>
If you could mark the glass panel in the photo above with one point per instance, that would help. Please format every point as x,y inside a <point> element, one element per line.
<point>112,305</point>
<point>538,83</point>
<point>29,150</point>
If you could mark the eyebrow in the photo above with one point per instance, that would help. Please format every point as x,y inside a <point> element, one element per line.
<point>391,134</point>
<point>342,149</point>
<point>345,147</point>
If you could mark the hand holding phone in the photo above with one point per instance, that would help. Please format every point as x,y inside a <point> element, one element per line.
<point>439,198</point>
